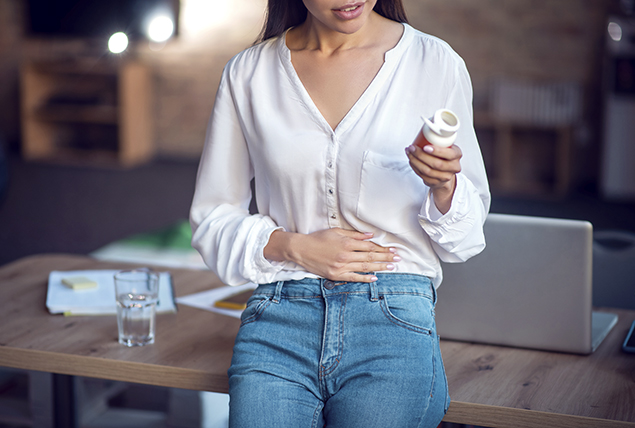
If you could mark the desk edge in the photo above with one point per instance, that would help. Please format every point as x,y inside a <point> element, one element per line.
<point>124,371</point>
<point>503,417</point>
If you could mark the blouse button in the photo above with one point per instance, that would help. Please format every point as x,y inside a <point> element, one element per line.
<point>330,165</point>
<point>331,191</point>
<point>333,216</point>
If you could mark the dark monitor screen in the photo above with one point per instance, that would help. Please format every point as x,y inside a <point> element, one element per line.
<point>94,18</point>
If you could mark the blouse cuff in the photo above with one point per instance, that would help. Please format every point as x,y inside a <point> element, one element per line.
<point>444,228</point>
<point>263,271</point>
<point>430,212</point>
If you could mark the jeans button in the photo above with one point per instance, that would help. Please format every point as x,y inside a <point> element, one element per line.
<point>329,285</point>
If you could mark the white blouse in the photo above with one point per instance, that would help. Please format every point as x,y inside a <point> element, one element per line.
<point>309,177</point>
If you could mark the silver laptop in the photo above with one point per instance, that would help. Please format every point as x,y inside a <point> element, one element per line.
<point>530,288</point>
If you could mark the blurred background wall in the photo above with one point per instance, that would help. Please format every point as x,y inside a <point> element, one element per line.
<point>554,100</point>
<point>540,41</point>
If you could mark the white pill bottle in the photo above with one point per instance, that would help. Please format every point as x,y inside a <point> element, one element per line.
<point>440,130</point>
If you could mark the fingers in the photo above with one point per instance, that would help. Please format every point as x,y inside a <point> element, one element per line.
<point>363,272</point>
<point>427,171</point>
<point>345,255</point>
<point>360,262</point>
<point>448,153</point>
<point>371,258</point>
<point>364,267</point>
<point>358,266</point>
<point>356,277</point>
<point>353,233</point>
<point>437,166</point>
<point>441,159</point>
<point>360,242</point>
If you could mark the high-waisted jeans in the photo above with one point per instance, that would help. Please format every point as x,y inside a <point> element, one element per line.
<point>315,353</point>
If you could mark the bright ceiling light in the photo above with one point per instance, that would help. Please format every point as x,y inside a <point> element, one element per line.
<point>160,29</point>
<point>198,16</point>
<point>615,31</point>
<point>118,43</point>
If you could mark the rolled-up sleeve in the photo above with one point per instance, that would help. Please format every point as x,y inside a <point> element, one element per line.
<point>458,234</point>
<point>230,239</point>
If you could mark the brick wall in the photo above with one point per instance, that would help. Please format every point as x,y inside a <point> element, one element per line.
<point>187,70</point>
<point>533,39</point>
<point>538,39</point>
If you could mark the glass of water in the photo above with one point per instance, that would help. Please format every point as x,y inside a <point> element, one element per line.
<point>137,293</point>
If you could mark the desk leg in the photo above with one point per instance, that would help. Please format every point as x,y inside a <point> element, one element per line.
<point>64,399</point>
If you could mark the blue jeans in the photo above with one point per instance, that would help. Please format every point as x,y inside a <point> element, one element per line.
<point>315,353</point>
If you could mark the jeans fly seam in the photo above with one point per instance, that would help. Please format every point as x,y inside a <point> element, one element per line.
<point>325,371</point>
<point>316,415</point>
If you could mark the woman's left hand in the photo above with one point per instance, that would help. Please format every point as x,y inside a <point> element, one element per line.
<point>437,167</point>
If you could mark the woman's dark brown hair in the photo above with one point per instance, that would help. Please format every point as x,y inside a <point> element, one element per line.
<point>284,14</point>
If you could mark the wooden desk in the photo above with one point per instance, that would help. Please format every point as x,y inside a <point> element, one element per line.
<point>490,386</point>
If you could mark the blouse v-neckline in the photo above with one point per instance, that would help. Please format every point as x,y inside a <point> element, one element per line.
<point>390,60</point>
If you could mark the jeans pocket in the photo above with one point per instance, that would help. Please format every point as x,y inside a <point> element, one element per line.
<point>255,307</point>
<point>410,311</point>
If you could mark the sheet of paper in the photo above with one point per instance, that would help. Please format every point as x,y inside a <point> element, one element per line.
<point>100,300</point>
<point>206,299</point>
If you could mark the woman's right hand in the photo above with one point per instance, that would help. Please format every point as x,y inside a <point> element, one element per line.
<point>335,254</point>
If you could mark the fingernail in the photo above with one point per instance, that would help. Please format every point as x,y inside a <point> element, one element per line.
<point>368,233</point>
<point>392,250</point>
<point>396,259</point>
<point>410,149</point>
<point>390,266</point>
<point>428,148</point>
<point>373,278</point>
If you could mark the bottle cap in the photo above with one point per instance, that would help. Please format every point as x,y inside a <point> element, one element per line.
<point>441,129</point>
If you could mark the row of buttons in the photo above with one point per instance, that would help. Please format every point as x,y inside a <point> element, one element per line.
<point>330,178</point>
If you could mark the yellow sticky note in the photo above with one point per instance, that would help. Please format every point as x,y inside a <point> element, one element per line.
<point>79,282</point>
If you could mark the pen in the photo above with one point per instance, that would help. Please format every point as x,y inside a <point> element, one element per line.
<point>230,305</point>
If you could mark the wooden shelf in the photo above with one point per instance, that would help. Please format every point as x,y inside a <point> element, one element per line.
<point>78,114</point>
<point>79,157</point>
<point>506,157</point>
<point>72,108</point>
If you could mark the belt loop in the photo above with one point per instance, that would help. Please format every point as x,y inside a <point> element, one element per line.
<point>374,296</point>
<point>276,294</point>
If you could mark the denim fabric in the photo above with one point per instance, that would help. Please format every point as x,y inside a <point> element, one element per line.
<point>315,353</point>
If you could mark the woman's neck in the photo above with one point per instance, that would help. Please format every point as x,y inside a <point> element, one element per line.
<point>314,35</point>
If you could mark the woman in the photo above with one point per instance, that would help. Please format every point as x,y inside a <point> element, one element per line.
<point>346,246</point>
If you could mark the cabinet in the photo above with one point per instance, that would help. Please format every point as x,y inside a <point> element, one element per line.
<point>530,124</point>
<point>527,158</point>
<point>86,111</point>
